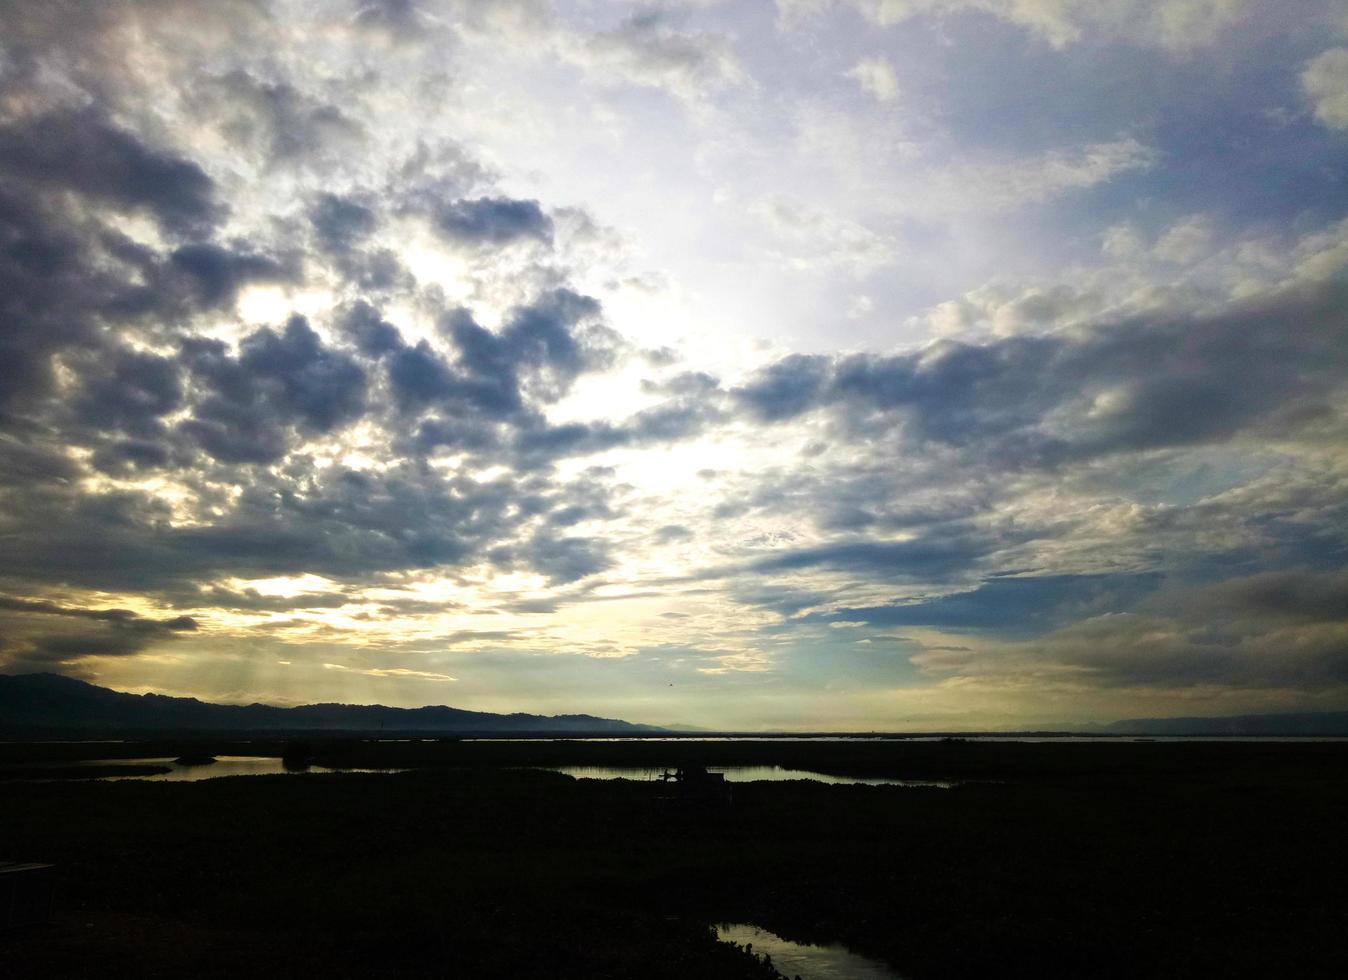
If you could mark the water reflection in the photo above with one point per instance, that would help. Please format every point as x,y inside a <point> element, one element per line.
<point>224,765</point>
<point>745,774</point>
<point>832,962</point>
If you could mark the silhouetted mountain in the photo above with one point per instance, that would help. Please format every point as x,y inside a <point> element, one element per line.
<point>53,703</point>
<point>1296,723</point>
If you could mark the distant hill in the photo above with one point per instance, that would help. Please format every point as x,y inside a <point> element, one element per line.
<point>1297,723</point>
<point>49,702</point>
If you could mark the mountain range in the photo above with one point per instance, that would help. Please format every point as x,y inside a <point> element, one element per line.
<point>1287,723</point>
<point>52,703</point>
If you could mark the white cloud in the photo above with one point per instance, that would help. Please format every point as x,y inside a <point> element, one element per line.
<point>1325,82</point>
<point>1122,241</point>
<point>645,51</point>
<point>875,76</point>
<point>1173,24</point>
<point>807,237</point>
<point>1031,180</point>
<point>1186,241</point>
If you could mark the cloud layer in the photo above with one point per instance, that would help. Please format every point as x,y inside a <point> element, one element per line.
<point>581,362</point>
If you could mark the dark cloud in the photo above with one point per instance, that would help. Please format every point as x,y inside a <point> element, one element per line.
<point>781,599</point>
<point>785,389</point>
<point>687,384</point>
<point>216,274</point>
<point>546,345</point>
<point>916,560</point>
<point>37,634</point>
<point>344,524</point>
<point>321,387</point>
<point>1272,364</point>
<point>344,227</point>
<point>82,152</point>
<point>493,221</point>
<point>341,222</point>
<point>538,354</point>
<point>371,333</point>
<point>565,559</point>
<point>1276,630</point>
<point>420,376</point>
<point>283,124</point>
<point>1133,651</point>
<point>123,617</point>
<point>1290,596</point>
<point>130,391</point>
<point>542,444</point>
<point>279,382</point>
<point>25,466</point>
<point>1014,604</point>
<point>57,285</point>
<point>672,534</point>
<point>127,455</point>
<point>684,416</point>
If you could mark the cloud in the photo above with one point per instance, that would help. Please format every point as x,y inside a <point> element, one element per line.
<point>810,239</point>
<point>1325,82</point>
<point>423,675</point>
<point>83,153</point>
<point>278,122</point>
<point>217,274</point>
<point>1015,604</point>
<point>785,388</point>
<point>1128,386</point>
<point>341,222</point>
<point>538,354</point>
<point>493,222</point>
<point>302,338</point>
<point>1014,184</point>
<point>248,407</point>
<point>917,560</point>
<point>1186,241</point>
<point>36,634</point>
<point>647,50</point>
<point>875,76</point>
<point>1175,24</point>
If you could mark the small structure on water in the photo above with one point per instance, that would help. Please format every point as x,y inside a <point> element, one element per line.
<point>297,756</point>
<point>195,759</point>
<point>695,783</point>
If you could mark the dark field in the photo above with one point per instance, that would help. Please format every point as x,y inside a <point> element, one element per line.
<point>1080,860</point>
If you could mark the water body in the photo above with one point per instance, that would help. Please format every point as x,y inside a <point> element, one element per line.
<point>832,962</point>
<point>224,765</point>
<point>744,774</point>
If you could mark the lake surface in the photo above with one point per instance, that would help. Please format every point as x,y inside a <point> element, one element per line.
<point>809,962</point>
<point>744,774</point>
<point>224,765</point>
<point>247,765</point>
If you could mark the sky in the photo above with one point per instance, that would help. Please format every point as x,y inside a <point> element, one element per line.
<point>816,365</point>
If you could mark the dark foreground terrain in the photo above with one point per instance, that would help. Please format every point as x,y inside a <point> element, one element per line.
<point>1056,860</point>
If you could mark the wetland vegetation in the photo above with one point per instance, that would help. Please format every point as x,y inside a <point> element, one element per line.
<point>1114,860</point>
